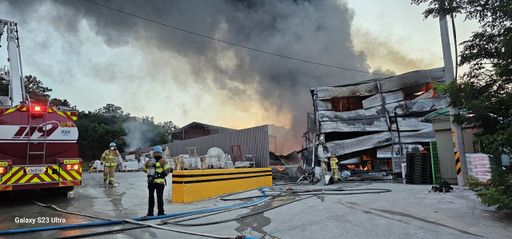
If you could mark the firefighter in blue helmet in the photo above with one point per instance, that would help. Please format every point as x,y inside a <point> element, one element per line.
<point>157,169</point>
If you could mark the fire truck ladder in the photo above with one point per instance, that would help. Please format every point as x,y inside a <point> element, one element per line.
<point>31,152</point>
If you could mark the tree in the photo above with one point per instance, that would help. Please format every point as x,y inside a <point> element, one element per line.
<point>59,102</point>
<point>486,89</point>
<point>111,109</point>
<point>169,126</point>
<point>96,130</point>
<point>35,89</point>
<point>109,123</point>
<point>38,92</point>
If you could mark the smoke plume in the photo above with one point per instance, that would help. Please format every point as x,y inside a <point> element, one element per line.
<point>316,31</point>
<point>138,135</point>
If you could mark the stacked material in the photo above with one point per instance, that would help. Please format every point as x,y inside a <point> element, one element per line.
<point>98,165</point>
<point>215,158</point>
<point>419,169</point>
<point>479,166</point>
<point>130,166</point>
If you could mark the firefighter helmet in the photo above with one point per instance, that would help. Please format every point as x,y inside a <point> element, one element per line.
<point>112,144</point>
<point>158,148</point>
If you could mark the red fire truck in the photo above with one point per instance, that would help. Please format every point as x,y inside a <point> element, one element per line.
<point>37,141</point>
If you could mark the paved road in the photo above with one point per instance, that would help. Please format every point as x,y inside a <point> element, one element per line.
<point>407,211</point>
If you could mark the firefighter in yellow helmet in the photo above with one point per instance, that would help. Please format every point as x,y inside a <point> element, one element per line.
<point>108,158</point>
<point>334,167</point>
<point>157,169</point>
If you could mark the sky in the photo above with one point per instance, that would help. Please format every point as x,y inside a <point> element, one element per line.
<point>92,55</point>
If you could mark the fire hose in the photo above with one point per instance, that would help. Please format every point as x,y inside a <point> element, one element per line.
<point>171,218</point>
<point>132,220</point>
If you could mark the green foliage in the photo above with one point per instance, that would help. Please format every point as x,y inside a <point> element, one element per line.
<point>35,89</point>
<point>497,191</point>
<point>111,109</point>
<point>109,123</point>
<point>59,102</point>
<point>38,92</point>
<point>486,89</point>
<point>96,131</point>
<point>440,7</point>
<point>169,126</point>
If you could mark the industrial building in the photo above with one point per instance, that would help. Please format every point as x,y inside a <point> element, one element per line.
<point>197,138</point>
<point>366,124</point>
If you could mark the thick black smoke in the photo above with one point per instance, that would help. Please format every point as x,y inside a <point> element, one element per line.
<point>317,31</point>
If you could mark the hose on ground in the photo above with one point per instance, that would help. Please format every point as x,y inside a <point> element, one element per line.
<point>69,212</point>
<point>281,193</point>
<point>112,222</point>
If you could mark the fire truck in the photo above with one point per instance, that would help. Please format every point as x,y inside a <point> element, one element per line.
<point>38,147</point>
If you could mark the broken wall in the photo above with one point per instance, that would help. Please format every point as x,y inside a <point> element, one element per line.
<point>358,120</point>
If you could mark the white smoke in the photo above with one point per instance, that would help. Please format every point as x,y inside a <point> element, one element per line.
<point>138,135</point>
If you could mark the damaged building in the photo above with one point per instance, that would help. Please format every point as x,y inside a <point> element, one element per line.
<point>366,124</point>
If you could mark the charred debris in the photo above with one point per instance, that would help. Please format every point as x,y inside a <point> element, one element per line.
<point>373,125</point>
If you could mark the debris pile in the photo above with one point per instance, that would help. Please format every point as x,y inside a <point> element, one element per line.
<point>286,167</point>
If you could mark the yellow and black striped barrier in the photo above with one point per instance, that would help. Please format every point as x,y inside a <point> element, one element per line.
<point>195,185</point>
<point>457,163</point>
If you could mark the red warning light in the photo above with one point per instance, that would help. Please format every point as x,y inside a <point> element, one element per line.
<point>71,167</point>
<point>37,109</point>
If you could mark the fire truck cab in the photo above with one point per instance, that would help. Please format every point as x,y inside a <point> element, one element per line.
<point>37,141</point>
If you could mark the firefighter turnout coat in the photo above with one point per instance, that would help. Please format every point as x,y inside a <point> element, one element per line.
<point>162,169</point>
<point>109,157</point>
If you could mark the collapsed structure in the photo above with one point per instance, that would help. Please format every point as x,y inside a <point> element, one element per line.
<point>366,124</point>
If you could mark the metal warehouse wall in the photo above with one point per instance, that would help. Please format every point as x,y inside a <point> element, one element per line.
<point>253,141</point>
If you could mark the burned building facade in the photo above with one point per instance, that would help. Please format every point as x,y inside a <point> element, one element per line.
<point>366,124</point>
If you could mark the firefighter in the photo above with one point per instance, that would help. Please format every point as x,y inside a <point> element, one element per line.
<point>334,167</point>
<point>108,158</point>
<point>157,169</point>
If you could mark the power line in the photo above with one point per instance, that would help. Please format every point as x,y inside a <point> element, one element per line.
<point>231,43</point>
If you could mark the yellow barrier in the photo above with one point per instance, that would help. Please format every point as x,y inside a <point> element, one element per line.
<point>195,185</point>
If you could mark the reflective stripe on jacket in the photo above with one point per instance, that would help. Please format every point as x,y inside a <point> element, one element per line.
<point>161,168</point>
<point>334,163</point>
<point>109,157</point>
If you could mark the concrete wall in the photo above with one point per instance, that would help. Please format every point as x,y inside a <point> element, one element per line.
<point>469,144</point>
<point>446,157</point>
<point>445,148</point>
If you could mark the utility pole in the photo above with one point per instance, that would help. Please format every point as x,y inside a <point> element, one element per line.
<point>458,139</point>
